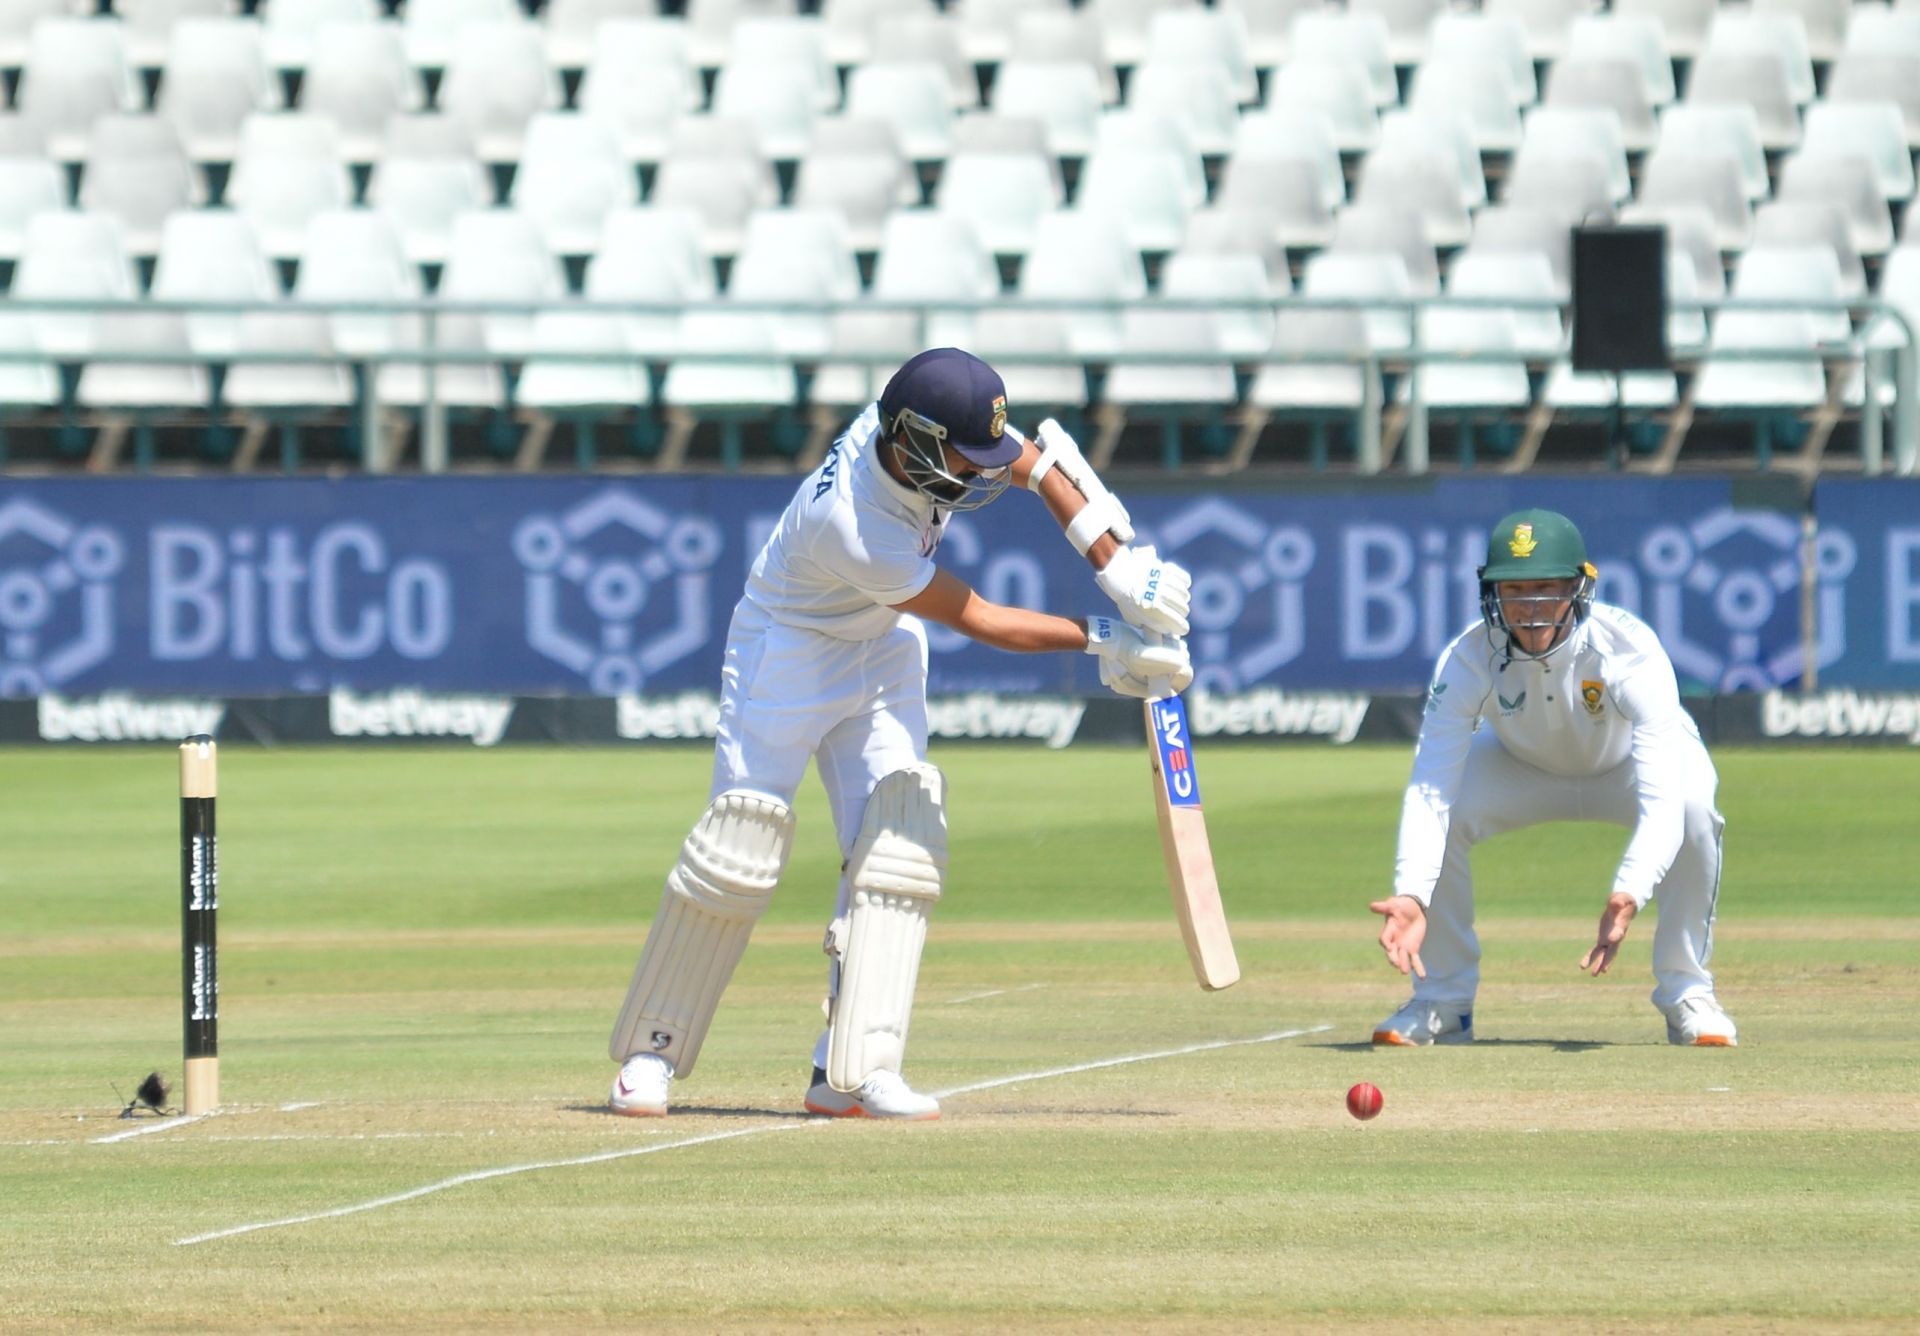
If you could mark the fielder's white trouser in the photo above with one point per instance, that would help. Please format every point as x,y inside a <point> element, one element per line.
<point>1500,793</point>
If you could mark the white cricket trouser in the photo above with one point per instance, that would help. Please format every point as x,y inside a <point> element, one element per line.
<point>857,708</point>
<point>1500,793</point>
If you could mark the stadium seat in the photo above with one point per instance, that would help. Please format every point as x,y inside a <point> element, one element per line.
<point>571,174</point>
<point>357,75</point>
<point>1127,129</point>
<point>641,97</point>
<point>1444,136</point>
<point>726,390</point>
<point>1491,273</point>
<point>1125,26</point>
<point>137,170</point>
<point>1592,132</point>
<point>1196,95</point>
<point>1285,196</point>
<point>1547,23</point>
<point>575,36</point>
<point>26,383</point>
<point>17,21</point>
<point>1367,274</point>
<point>357,255</point>
<point>1815,221</point>
<point>1610,82</point>
<point>216,76</point>
<point>1481,88</point>
<point>1215,231</point>
<point>76,70</point>
<point>421,194</point>
<point>796,257</point>
<point>1755,32</point>
<point>776,100</point>
<point>1572,184</point>
<point>1719,129</point>
<point>497,79</point>
<point>848,25</point>
<point>1684,23</point>
<point>791,42</point>
<point>28,186</point>
<point>1340,92</point>
<point>710,25</point>
<point>1758,80</point>
<point>212,255</point>
<point>1713,180</point>
<point>1062,95</point>
<point>162,385</point>
<point>149,25</point>
<point>311,377</point>
<point>1233,279</point>
<point>1295,131</point>
<point>1084,257</point>
<point>1389,229</point>
<point>1470,391</point>
<point>288,168</point>
<point>1527,229</point>
<point>1146,189</point>
<point>1473,37</point>
<point>1060,34</point>
<point>1848,179</point>
<point>1408,24</point>
<point>1002,195</point>
<point>432,26</point>
<point>1421,182</point>
<point>1874,76</point>
<point>935,39</point>
<point>1636,39</point>
<point>863,187</point>
<point>291,29</point>
<point>912,96</point>
<point>723,191</point>
<point>1873,129</point>
<point>652,256</point>
<point>1690,230</point>
<point>1335,36</point>
<point>1269,25</point>
<point>987,26</point>
<point>925,257</point>
<point>72,255</point>
<point>1211,36</point>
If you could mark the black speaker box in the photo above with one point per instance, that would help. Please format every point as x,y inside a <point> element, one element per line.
<point>1620,298</point>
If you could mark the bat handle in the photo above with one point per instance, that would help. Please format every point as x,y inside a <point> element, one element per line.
<point>1162,687</point>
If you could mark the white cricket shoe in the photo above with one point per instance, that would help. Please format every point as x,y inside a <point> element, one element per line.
<point>1699,1022</point>
<point>640,1090</point>
<point>1421,1022</point>
<point>882,1095</point>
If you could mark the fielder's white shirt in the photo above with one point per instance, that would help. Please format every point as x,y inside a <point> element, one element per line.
<point>851,543</point>
<point>1606,697</point>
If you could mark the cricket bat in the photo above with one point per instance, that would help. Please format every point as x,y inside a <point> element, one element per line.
<point>1183,841</point>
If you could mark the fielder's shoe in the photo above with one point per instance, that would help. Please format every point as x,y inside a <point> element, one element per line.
<point>883,1095</point>
<point>1421,1022</point>
<point>640,1090</point>
<point>1698,1021</point>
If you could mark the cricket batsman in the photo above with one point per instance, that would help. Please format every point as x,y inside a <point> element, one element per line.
<point>826,659</point>
<point>1554,708</point>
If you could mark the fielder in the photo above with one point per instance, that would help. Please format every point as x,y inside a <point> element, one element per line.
<point>826,658</point>
<point>1554,708</point>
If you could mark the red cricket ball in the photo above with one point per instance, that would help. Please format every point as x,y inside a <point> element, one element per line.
<point>1364,1101</point>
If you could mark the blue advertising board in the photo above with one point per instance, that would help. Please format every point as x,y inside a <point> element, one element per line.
<point>608,586</point>
<point>1870,581</point>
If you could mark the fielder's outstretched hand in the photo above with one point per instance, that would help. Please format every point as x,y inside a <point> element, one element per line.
<point>1403,932</point>
<point>1614,921</point>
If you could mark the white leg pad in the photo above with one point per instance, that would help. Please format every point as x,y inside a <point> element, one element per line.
<point>728,868</point>
<point>893,880</point>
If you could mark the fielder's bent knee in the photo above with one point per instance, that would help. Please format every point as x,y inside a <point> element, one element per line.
<point>716,892</point>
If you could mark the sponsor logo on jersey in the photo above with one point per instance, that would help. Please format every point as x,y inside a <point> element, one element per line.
<point>1433,696</point>
<point>1522,543</point>
<point>1512,706</point>
<point>1591,693</point>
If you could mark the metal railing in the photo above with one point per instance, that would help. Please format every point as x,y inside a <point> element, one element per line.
<point>1881,341</point>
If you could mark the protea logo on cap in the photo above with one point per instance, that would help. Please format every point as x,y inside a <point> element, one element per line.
<point>1522,544</point>
<point>998,425</point>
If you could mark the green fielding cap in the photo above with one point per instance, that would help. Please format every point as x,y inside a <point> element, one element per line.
<point>1535,545</point>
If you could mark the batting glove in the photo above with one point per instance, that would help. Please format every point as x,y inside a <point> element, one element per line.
<point>1138,663</point>
<point>1152,594</point>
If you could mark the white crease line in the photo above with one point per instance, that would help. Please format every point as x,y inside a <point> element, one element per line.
<point>151,1128</point>
<point>481,1175</point>
<point>299,1105</point>
<point>993,992</point>
<point>1275,1037</point>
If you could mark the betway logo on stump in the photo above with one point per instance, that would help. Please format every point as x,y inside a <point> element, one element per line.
<point>115,717</point>
<point>418,714</point>
<point>1336,715</point>
<point>1841,714</point>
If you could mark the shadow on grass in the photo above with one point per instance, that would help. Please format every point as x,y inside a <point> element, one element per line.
<point>1557,1045</point>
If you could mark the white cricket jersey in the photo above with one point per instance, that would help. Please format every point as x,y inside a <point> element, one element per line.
<point>851,543</point>
<point>1605,697</point>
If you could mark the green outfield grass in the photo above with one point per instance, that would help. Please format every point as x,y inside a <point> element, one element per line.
<point>422,952</point>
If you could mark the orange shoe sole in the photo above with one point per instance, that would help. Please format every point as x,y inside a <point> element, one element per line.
<point>1392,1039</point>
<point>637,1113</point>
<point>858,1112</point>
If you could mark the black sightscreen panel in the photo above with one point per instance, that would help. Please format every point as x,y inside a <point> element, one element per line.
<point>1620,298</point>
